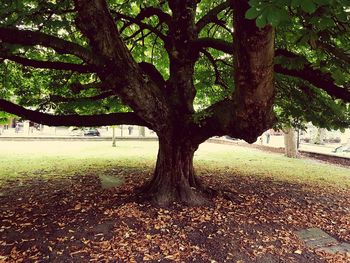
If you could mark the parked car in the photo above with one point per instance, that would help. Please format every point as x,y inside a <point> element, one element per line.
<point>91,132</point>
<point>230,138</point>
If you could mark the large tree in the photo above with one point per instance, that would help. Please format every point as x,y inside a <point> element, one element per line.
<point>186,69</point>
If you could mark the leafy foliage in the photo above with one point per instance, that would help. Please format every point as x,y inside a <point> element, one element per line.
<point>321,110</point>
<point>316,30</point>
<point>282,11</point>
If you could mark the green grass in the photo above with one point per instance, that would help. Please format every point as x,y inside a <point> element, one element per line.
<point>24,160</point>
<point>20,160</point>
<point>253,162</point>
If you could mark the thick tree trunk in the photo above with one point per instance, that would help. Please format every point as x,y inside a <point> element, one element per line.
<point>290,143</point>
<point>174,178</point>
<point>254,74</point>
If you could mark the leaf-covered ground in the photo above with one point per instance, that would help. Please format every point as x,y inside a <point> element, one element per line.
<point>73,219</point>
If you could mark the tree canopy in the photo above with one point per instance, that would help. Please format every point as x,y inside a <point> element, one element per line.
<point>187,69</point>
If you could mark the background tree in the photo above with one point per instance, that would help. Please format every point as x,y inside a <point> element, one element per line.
<point>4,120</point>
<point>322,111</point>
<point>187,69</point>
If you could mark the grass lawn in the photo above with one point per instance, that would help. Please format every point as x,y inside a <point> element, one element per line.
<point>23,160</point>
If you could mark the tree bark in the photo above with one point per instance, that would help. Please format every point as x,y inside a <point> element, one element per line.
<point>253,74</point>
<point>174,179</point>
<point>290,143</point>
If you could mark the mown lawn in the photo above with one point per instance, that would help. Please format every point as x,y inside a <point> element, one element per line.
<point>24,160</point>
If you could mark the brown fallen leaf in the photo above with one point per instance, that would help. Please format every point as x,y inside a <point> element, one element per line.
<point>77,207</point>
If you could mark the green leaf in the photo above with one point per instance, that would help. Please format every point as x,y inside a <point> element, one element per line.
<point>252,13</point>
<point>296,3</point>
<point>308,6</point>
<point>273,16</point>
<point>254,2</point>
<point>323,2</point>
<point>276,15</point>
<point>325,22</point>
<point>338,76</point>
<point>342,17</point>
<point>261,21</point>
<point>304,39</point>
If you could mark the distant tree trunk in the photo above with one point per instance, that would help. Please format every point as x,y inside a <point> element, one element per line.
<point>320,136</point>
<point>141,131</point>
<point>113,137</point>
<point>290,143</point>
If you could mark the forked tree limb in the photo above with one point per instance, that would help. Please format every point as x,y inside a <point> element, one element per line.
<point>253,74</point>
<point>121,71</point>
<point>137,21</point>
<point>218,79</point>
<point>211,16</point>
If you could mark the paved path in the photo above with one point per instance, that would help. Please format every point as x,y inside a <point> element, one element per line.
<point>319,240</point>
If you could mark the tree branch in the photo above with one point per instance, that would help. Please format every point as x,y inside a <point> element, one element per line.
<point>31,38</point>
<point>48,64</point>
<point>341,54</point>
<point>138,22</point>
<point>151,11</point>
<point>72,120</point>
<point>121,71</point>
<point>218,44</point>
<point>314,76</point>
<point>153,73</point>
<point>96,23</point>
<point>218,79</point>
<point>211,16</point>
<point>224,62</point>
<point>317,78</point>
